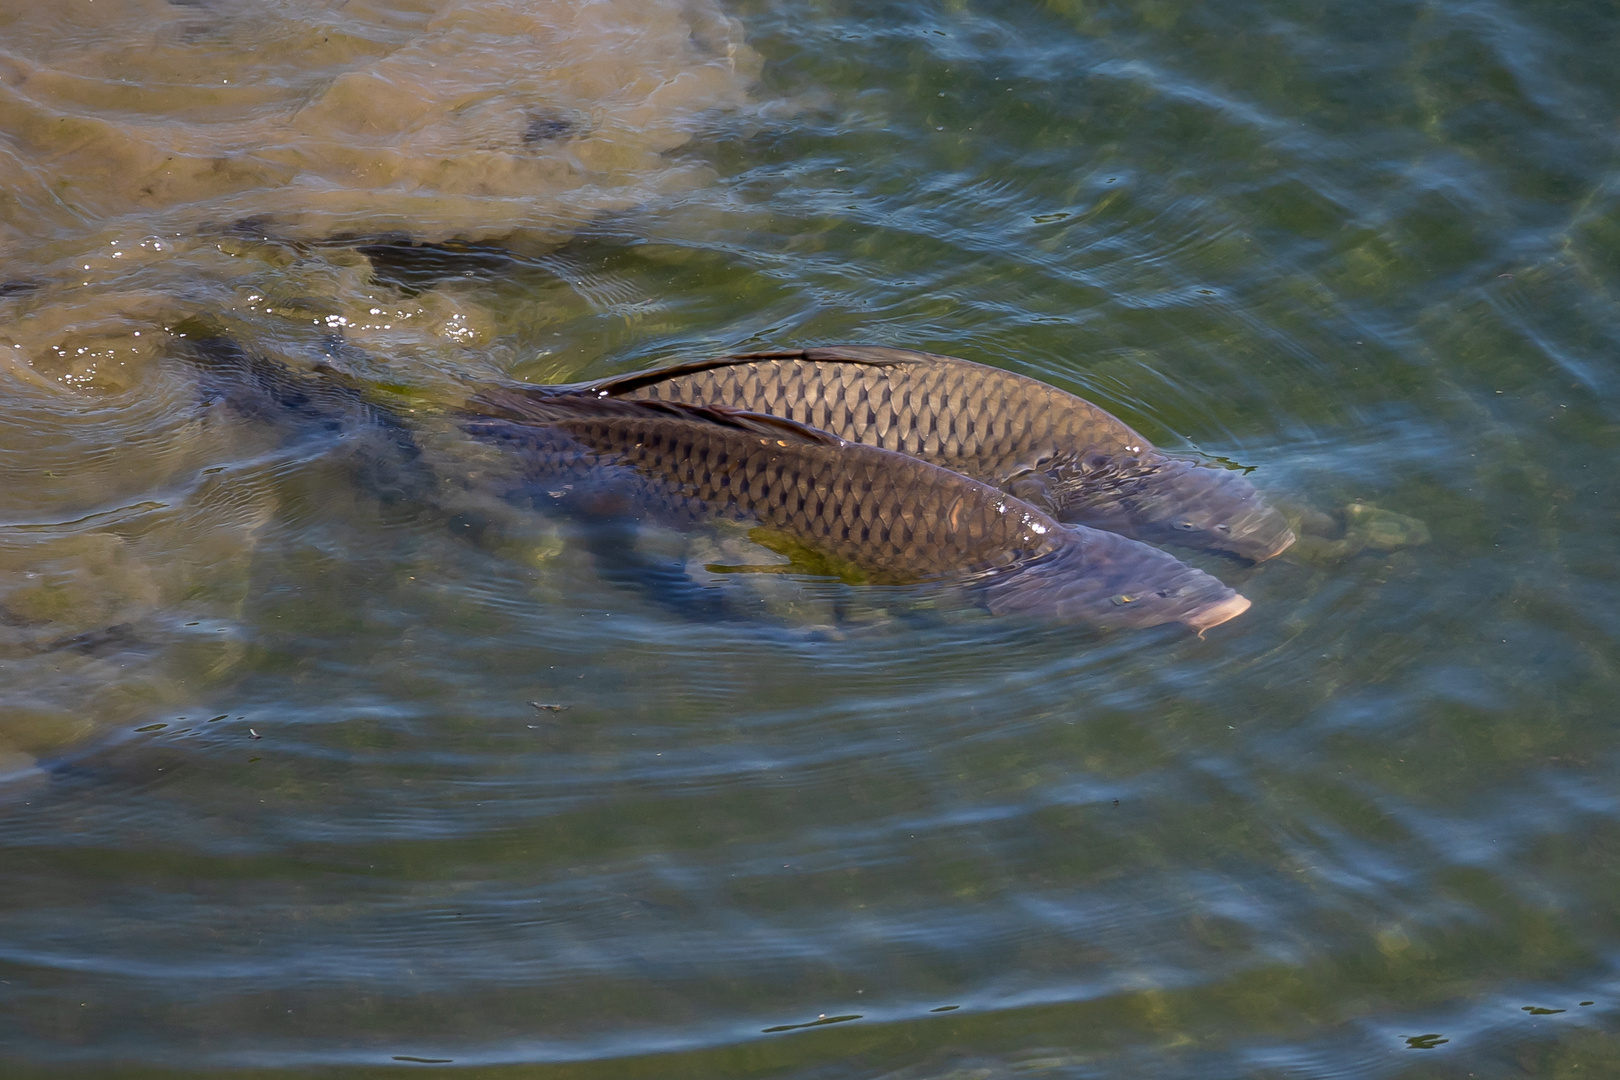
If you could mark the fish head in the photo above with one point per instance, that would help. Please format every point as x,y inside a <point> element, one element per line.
<point>1105,579</point>
<point>1173,501</point>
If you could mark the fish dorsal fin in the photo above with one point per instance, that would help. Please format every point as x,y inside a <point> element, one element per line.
<point>541,405</point>
<point>773,427</point>
<point>869,355</point>
<point>866,355</point>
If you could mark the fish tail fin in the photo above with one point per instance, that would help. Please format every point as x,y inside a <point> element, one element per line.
<point>304,405</point>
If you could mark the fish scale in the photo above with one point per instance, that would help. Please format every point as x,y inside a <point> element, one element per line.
<point>823,393</point>
<point>892,530</point>
<point>892,515</point>
<point>1059,451</point>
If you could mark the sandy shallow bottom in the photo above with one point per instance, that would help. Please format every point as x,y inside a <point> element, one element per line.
<point>161,161</point>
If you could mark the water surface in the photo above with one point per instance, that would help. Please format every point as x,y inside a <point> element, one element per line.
<point>277,801</point>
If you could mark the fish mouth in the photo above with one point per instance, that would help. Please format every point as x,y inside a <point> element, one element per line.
<point>1217,613</point>
<point>1284,542</point>
<point>1258,535</point>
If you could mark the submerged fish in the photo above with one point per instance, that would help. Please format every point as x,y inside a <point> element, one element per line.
<point>310,408</point>
<point>1048,447</point>
<point>895,517</point>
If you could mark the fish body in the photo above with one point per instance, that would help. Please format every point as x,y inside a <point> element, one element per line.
<point>896,517</point>
<point>1055,450</point>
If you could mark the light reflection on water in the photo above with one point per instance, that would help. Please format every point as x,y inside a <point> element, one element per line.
<point>1364,830</point>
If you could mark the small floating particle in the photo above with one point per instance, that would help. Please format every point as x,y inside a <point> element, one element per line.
<point>254,734</point>
<point>548,707</point>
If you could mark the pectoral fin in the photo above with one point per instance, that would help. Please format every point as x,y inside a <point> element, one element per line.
<point>801,559</point>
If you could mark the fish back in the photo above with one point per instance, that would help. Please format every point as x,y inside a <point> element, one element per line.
<point>976,419</point>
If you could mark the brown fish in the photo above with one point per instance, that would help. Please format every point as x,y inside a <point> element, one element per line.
<point>894,516</point>
<point>1049,447</point>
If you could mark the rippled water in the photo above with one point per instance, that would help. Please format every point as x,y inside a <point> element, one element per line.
<point>275,796</point>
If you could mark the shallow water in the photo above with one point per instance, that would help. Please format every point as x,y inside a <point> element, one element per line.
<point>276,800</point>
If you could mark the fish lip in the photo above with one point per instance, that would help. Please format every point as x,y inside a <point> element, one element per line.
<point>1218,612</point>
<point>1284,542</point>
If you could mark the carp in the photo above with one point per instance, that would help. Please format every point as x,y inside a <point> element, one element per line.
<point>1048,447</point>
<point>894,516</point>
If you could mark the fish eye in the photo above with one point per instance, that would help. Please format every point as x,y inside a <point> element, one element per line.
<point>1187,526</point>
<point>1224,528</point>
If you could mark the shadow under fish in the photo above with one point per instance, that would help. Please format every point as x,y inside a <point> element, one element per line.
<point>1049,447</point>
<point>897,518</point>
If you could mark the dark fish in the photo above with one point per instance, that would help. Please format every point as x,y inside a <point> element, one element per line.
<point>1048,447</point>
<point>893,516</point>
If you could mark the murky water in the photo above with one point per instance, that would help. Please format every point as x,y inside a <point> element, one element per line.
<point>276,799</point>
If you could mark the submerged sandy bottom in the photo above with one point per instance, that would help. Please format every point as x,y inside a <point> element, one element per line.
<point>163,161</point>
<point>477,119</point>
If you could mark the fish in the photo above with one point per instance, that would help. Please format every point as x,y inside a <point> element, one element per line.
<point>896,517</point>
<point>1050,448</point>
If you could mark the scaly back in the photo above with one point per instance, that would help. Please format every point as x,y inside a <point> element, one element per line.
<point>976,419</point>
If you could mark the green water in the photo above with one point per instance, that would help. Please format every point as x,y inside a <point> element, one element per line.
<point>276,802</point>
